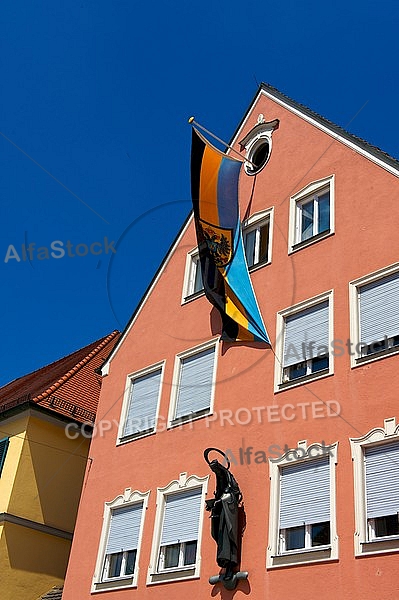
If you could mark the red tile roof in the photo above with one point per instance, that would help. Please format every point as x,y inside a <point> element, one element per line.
<point>69,386</point>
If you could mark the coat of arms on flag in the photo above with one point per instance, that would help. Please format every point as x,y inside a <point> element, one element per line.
<point>214,191</point>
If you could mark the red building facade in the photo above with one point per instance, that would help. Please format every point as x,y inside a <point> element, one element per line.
<point>309,425</point>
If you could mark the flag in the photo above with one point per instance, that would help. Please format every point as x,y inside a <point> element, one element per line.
<point>227,285</point>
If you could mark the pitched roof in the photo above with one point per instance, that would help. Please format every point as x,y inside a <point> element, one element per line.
<point>69,386</point>
<point>54,594</point>
<point>383,158</point>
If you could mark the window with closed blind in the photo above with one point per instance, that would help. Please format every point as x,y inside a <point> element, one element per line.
<point>376,478</point>
<point>382,490</point>
<point>176,543</point>
<point>304,341</point>
<point>302,510</point>
<point>180,529</point>
<point>121,550</point>
<point>375,315</point>
<point>140,405</point>
<point>305,504</point>
<point>120,541</point>
<point>193,384</point>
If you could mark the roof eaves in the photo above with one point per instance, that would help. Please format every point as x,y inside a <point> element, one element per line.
<point>337,129</point>
<point>49,391</point>
<point>392,164</point>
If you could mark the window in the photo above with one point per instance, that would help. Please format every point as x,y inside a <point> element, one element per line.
<point>305,505</point>
<point>258,155</point>
<point>311,213</point>
<point>302,513</point>
<point>375,315</point>
<point>140,406</point>
<point>180,530</point>
<point>117,561</point>
<point>4,443</point>
<point>177,534</point>
<point>193,285</point>
<point>382,490</point>
<point>376,476</point>
<point>122,542</point>
<point>258,145</point>
<point>257,232</point>
<point>193,384</point>
<point>303,341</point>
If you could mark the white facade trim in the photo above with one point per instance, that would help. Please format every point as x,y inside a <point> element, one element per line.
<point>176,379</point>
<point>307,191</point>
<point>354,313</point>
<point>376,436</point>
<point>126,398</point>
<point>280,333</point>
<point>312,452</point>
<point>178,485</point>
<point>128,498</point>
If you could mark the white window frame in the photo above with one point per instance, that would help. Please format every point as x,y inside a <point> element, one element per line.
<point>172,422</point>
<point>126,403</point>
<point>254,140</point>
<point>311,191</point>
<point>162,555</point>
<point>155,574</point>
<point>190,273</point>
<point>307,546</point>
<point>99,583</point>
<point>254,223</point>
<point>276,556</point>
<point>279,383</point>
<point>365,543</point>
<point>357,358</point>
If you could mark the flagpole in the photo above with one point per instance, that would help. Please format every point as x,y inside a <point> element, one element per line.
<point>192,121</point>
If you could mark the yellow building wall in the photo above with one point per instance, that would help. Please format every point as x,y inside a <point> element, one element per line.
<point>31,562</point>
<point>50,475</point>
<point>15,429</point>
<point>41,481</point>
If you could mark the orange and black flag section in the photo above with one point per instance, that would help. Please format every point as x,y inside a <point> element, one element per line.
<point>227,285</point>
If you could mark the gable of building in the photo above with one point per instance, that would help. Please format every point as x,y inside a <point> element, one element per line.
<point>321,136</point>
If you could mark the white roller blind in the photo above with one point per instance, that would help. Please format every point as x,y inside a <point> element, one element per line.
<point>124,528</point>
<point>306,332</point>
<point>305,493</point>
<point>379,309</point>
<point>382,480</point>
<point>182,513</point>
<point>143,400</point>
<point>195,385</point>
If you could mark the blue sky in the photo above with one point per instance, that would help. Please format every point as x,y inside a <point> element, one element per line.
<point>99,93</point>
